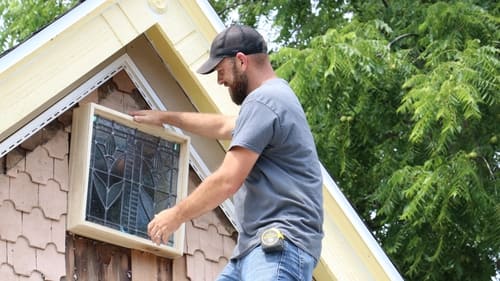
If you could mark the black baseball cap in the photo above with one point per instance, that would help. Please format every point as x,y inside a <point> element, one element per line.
<point>234,39</point>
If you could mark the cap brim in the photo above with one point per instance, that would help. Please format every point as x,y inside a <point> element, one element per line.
<point>209,65</point>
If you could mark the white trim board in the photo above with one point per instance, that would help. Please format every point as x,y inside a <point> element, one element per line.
<point>360,227</point>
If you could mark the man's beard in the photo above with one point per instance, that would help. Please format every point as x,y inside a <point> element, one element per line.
<point>239,89</point>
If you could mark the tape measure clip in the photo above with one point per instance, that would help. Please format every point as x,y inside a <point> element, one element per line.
<point>272,240</point>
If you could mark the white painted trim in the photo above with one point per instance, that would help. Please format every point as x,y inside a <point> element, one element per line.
<point>48,33</point>
<point>360,227</point>
<point>211,15</point>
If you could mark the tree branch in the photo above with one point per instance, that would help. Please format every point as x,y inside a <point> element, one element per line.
<point>399,38</point>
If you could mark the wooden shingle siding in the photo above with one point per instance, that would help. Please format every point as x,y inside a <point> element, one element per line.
<point>33,208</point>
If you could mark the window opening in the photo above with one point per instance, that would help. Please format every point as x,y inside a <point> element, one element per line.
<point>133,176</point>
<point>122,173</point>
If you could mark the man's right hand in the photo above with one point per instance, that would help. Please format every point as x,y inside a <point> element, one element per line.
<point>152,117</point>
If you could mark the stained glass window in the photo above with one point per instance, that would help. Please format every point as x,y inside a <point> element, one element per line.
<point>132,176</point>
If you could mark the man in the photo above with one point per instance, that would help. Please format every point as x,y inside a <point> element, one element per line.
<point>271,167</point>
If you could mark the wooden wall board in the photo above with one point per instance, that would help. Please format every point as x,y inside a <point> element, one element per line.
<point>91,260</point>
<point>146,266</point>
<point>121,24</point>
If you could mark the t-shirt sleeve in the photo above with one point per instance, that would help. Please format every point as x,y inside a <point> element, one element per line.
<point>255,127</point>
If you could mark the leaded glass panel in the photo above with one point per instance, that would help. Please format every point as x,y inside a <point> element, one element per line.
<point>132,176</point>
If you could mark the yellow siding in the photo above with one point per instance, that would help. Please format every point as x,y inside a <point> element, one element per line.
<point>184,33</point>
<point>139,13</point>
<point>200,18</point>
<point>121,24</point>
<point>176,23</point>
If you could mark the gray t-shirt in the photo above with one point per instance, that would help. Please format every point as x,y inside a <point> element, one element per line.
<point>284,188</point>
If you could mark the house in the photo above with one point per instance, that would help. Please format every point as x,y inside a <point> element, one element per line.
<point>124,55</point>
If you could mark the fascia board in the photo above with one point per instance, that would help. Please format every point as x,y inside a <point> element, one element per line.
<point>378,262</point>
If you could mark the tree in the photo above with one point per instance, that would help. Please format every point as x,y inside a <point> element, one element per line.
<point>298,21</point>
<point>403,98</point>
<point>19,19</point>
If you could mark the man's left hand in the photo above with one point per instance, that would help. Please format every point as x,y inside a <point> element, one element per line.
<point>163,225</point>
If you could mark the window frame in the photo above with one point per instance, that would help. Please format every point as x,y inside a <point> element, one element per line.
<point>81,145</point>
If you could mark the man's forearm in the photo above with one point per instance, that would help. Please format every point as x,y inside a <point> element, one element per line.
<point>214,126</point>
<point>216,188</point>
<point>207,196</point>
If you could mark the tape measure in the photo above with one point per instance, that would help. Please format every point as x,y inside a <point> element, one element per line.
<point>272,240</point>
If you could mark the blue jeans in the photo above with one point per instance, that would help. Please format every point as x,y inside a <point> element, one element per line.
<point>290,264</point>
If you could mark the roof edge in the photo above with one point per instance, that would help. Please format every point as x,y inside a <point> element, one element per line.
<point>211,15</point>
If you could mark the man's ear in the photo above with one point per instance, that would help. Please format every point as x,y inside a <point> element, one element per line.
<point>242,60</point>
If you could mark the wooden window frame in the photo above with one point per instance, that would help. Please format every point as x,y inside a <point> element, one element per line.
<point>81,143</point>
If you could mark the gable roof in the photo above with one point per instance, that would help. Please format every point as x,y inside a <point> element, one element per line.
<point>47,67</point>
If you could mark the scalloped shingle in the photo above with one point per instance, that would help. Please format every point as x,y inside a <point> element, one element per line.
<point>39,165</point>
<point>53,200</point>
<point>21,256</point>
<point>7,273</point>
<point>61,173</point>
<point>11,222</point>
<point>23,192</point>
<point>58,234</point>
<point>4,188</point>
<point>36,228</point>
<point>3,251</point>
<point>58,146</point>
<point>51,263</point>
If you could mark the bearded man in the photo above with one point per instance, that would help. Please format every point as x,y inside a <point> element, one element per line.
<point>271,169</point>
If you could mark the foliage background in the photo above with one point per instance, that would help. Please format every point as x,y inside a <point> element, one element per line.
<point>403,100</point>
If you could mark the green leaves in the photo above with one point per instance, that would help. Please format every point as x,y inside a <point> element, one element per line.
<point>446,99</point>
<point>295,22</point>
<point>444,203</point>
<point>408,132</point>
